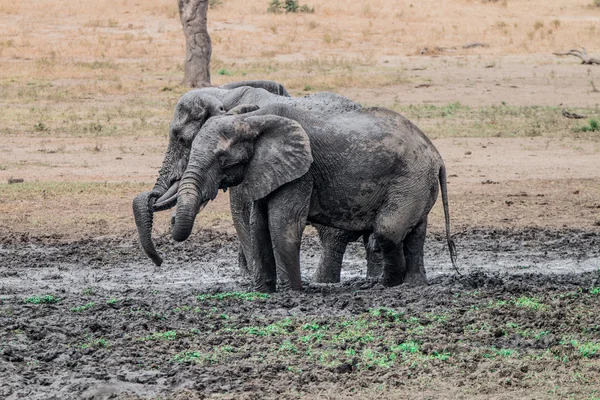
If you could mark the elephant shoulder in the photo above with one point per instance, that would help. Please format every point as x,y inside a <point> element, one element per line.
<point>382,112</point>
<point>329,103</point>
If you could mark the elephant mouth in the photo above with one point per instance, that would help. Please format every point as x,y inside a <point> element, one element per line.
<point>169,197</point>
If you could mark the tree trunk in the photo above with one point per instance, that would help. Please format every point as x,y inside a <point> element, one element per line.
<point>198,47</point>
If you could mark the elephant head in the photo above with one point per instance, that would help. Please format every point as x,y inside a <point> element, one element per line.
<point>256,153</point>
<point>192,111</point>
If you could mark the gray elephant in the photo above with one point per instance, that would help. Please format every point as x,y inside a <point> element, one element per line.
<point>191,112</point>
<point>369,170</point>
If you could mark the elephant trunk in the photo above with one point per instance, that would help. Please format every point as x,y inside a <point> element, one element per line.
<point>143,213</point>
<point>191,199</point>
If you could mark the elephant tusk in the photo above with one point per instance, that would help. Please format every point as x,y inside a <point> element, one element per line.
<point>168,196</point>
<point>202,207</point>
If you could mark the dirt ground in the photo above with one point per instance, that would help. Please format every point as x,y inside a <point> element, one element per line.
<point>86,95</point>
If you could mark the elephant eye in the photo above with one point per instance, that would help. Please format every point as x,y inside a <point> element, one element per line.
<point>226,161</point>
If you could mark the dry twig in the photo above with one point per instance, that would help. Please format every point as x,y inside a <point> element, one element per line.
<point>585,58</point>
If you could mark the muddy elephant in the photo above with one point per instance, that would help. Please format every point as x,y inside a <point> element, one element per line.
<point>191,112</point>
<point>369,170</point>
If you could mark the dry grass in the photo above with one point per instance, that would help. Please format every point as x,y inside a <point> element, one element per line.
<point>98,81</point>
<point>107,39</point>
<point>112,67</point>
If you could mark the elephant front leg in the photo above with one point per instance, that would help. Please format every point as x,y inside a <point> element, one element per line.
<point>261,256</point>
<point>334,243</point>
<point>288,211</point>
<point>240,214</point>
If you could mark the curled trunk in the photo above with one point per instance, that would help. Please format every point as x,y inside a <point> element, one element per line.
<point>143,213</point>
<point>189,204</point>
<point>197,187</point>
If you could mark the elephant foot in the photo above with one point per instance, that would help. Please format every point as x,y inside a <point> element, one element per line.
<point>374,271</point>
<point>319,277</point>
<point>394,280</point>
<point>416,280</point>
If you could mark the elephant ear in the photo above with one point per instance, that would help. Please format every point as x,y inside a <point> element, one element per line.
<point>242,109</point>
<point>282,154</point>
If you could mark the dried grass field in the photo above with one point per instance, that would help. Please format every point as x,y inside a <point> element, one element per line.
<point>87,91</point>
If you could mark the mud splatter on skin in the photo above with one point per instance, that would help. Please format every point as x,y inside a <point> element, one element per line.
<point>119,325</point>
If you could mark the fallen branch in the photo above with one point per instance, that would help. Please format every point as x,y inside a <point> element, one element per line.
<point>571,115</point>
<point>585,58</point>
<point>12,180</point>
<point>439,49</point>
<point>474,44</point>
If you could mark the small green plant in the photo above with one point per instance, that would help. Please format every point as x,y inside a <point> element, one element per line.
<point>168,335</point>
<point>314,326</point>
<point>597,3</point>
<point>200,357</point>
<point>83,307</point>
<point>95,343</point>
<point>288,347</point>
<point>593,126</point>
<point>386,314</point>
<point>588,349</point>
<point>289,6</point>
<point>47,299</point>
<point>531,303</point>
<point>111,301</point>
<point>88,291</point>
<point>407,347</point>
<point>283,327</point>
<point>212,4</point>
<point>500,352</point>
<point>40,127</point>
<point>595,290</point>
<point>224,71</point>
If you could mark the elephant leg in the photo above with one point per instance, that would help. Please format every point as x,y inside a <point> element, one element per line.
<point>333,242</point>
<point>414,244</point>
<point>288,211</point>
<point>240,214</point>
<point>242,262</point>
<point>374,256</point>
<point>394,264</point>
<point>394,222</point>
<point>261,256</point>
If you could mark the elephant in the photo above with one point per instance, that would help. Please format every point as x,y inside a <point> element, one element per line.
<point>369,170</point>
<point>191,112</point>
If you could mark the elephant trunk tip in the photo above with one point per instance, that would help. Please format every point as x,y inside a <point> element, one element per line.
<point>157,260</point>
<point>181,234</point>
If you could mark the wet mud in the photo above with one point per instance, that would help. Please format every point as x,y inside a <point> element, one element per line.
<point>96,319</point>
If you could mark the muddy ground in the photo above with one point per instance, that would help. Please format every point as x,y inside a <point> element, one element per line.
<point>106,323</point>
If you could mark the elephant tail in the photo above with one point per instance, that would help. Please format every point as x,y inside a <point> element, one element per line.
<point>451,245</point>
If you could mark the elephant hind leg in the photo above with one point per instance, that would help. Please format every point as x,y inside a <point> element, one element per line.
<point>394,264</point>
<point>333,242</point>
<point>394,223</point>
<point>414,244</point>
<point>374,257</point>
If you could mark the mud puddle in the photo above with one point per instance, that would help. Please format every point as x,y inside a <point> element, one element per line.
<point>95,319</point>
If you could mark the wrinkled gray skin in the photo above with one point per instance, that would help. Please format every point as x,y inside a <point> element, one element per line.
<point>191,112</point>
<point>369,170</point>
